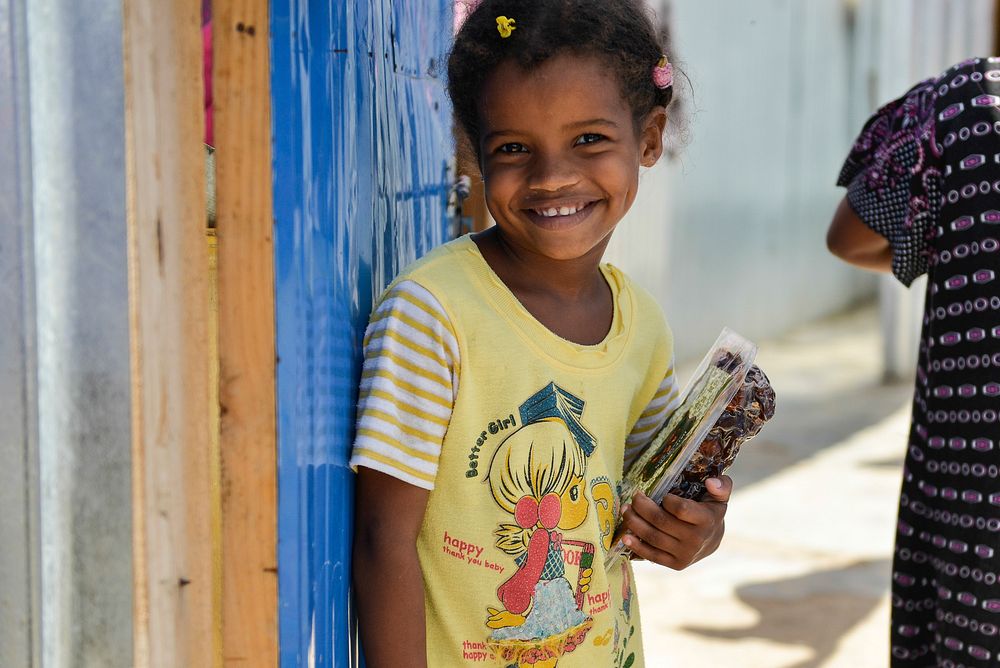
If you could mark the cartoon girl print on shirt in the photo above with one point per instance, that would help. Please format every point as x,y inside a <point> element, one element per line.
<point>538,476</point>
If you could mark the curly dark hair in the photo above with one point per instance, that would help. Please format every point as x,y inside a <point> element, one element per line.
<point>621,33</point>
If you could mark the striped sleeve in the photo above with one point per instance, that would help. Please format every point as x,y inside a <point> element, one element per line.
<point>408,385</point>
<point>665,401</point>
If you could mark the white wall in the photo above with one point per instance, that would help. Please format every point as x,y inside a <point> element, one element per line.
<point>731,232</point>
<point>900,42</point>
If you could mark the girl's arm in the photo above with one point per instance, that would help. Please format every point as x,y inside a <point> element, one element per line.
<point>852,241</point>
<point>388,582</point>
<point>677,532</point>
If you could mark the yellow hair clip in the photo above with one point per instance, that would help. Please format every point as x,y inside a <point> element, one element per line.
<point>505,26</point>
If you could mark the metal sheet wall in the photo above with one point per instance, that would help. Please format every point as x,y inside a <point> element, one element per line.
<point>739,216</point>
<point>896,44</point>
<point>362,151</point>
<point>20,643</point>
<point>779,89</point>
<point>65,427</point>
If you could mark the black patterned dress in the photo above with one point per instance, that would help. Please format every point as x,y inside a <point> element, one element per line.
<point>925,174</point>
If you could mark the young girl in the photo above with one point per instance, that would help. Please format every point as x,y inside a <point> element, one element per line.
<point>510,376</point>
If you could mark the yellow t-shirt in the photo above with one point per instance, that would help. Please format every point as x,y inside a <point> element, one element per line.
<point>521,436</point>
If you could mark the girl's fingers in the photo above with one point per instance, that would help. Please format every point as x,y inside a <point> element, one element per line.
<point>684,510</point>
<point>652,526</point>
<point>719,489</point>
<point>709,511</point>
<point>677,532</point>
<point>675,512</point>
<point>643,550</point>
<point>676,551</point>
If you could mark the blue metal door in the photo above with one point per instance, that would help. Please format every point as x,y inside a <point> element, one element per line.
<point>362,155</point>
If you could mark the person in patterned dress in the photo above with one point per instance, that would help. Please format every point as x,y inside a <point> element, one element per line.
<point>923,196</point>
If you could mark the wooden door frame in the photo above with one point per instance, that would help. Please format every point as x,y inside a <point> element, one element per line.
<point>247,399</point>
<point>204,503</point>
<point>174,606</point>
<point>996,27</point>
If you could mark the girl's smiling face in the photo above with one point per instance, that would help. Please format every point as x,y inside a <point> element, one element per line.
<point>560,154</point>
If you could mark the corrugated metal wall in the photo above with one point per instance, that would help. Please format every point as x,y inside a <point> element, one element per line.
<point>65,429</point>
<point>731,231</point>
<point>81,283</point>
<point>362,153</point>
<point>896,44</point>
<point>737,219</point>
<point>900,42</point>
<point>20,642</point>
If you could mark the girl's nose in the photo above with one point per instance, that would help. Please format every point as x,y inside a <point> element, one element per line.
<point>551,173</point>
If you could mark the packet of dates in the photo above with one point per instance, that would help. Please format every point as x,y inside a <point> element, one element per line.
<point>724,405</point>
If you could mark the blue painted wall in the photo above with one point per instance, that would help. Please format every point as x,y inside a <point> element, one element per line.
<point>362,149</point>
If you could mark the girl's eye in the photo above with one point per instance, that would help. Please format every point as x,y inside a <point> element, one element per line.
<point>589,138</point>
<point>512,147</point>
<point>574,493</point>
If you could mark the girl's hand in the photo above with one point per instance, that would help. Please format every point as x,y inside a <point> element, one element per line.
<point>678,532</point>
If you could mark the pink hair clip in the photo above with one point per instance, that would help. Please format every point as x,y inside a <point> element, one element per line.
<point>663,74</point>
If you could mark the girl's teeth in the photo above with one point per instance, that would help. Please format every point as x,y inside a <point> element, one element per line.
<point>561,211</point>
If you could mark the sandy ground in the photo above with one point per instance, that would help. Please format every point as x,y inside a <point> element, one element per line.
<point>802,577</point>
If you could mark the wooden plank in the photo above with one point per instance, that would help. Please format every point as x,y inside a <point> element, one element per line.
<point>248,440</point>
<point>168,283</point>
<point>474,205</point>
<point>996,28</point>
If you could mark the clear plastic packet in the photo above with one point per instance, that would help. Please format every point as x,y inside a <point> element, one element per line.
<point>742,419</point>
<point>716,381</point>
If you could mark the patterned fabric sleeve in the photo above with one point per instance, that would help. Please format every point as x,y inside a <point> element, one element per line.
<point>664,402</point>
<point>408,386</point>
<point>893,181</point>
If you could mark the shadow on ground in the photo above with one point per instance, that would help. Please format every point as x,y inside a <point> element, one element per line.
<point>892,463</point>
<point>841,597</point>
<point>805,425</point>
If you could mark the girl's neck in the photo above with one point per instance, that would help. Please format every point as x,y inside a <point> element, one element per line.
<point>570,297</point>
